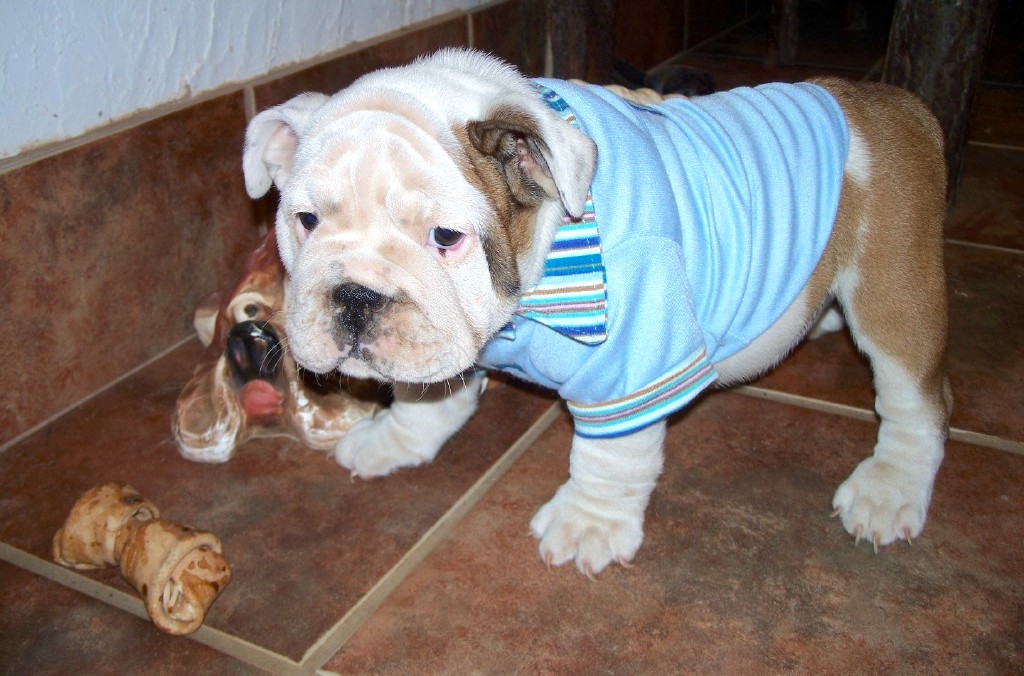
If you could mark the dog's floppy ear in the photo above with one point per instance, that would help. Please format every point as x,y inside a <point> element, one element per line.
<point>271,140</point>
<point>537,155</point>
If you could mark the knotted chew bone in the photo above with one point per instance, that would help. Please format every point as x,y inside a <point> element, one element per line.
<point>88,539</point>
<point>178,571</point>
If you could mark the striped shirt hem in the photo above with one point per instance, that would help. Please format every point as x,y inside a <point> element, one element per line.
<point>647,406</point>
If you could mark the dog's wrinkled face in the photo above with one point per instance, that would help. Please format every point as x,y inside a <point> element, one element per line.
<point>405,224</point>
<point>384,237</point>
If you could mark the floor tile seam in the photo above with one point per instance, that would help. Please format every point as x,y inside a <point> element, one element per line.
<point>334,639</point>
<point>876,67</point>
<point>985,247</point>
<point>217,639</point>
<point>997,146</point>
<point>866,415</point>
<point>92,395</point>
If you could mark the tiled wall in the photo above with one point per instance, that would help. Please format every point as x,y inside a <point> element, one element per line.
<point>106,249</point>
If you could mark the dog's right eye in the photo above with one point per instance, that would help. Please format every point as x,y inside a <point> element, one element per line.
<point>309,220</point>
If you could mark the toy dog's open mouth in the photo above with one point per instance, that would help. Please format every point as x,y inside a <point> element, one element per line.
<point>254,352</point>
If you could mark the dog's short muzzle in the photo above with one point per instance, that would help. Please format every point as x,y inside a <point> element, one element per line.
<point>355,306</point>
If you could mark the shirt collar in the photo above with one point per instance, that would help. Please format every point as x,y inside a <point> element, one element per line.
<point>570,297</point>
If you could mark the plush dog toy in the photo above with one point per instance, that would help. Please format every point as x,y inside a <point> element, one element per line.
<point>251,387</point>
<point>625,251</point>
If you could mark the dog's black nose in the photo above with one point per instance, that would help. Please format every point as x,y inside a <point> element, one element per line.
<point>355,306</point>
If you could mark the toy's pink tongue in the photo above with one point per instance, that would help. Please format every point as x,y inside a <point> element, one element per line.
<point>259,399</point>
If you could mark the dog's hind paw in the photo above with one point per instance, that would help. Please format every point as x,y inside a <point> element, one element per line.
<point>882,503</point>
<point>592,532</point>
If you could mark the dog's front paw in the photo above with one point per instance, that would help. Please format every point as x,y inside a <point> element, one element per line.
<point>882,502</point>
<point>591,531</point>
<point>375,447</point>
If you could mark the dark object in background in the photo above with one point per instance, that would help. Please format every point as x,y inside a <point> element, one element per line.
<point>936,50</point>
<point>679,79</point>
<point>671,78</point>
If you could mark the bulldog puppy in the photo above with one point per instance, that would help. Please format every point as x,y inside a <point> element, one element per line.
<point>452,214</point>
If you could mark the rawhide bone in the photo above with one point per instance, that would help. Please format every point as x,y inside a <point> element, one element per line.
<point>179,571</point>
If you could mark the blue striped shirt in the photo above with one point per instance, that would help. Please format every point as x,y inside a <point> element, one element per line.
<point>706,219</point>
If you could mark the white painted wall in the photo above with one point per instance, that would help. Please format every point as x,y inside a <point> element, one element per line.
<point>69,66</point>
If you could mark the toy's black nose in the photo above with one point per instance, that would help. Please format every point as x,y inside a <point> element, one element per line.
<point>355,305</point>
<point>254,351</point>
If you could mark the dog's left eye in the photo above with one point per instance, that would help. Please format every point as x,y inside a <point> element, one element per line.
<point>309,220</point>
<point>445,238</point>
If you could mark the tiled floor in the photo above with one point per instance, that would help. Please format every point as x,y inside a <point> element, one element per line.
<point>432,570</point>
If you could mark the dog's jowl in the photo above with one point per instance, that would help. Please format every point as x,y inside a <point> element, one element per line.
<point>626,251</point>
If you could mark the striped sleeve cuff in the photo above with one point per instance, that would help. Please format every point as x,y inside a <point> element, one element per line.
<point>656,401</point>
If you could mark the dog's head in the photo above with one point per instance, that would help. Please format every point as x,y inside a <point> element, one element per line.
<point>414,206</point>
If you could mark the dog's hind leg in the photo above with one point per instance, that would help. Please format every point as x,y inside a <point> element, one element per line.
<point>891,285</point>
<point>887,495</point>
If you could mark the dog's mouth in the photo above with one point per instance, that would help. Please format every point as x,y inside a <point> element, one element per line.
<point>378,358</point>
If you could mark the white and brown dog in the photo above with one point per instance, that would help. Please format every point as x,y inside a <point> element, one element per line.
<point>626,252</point>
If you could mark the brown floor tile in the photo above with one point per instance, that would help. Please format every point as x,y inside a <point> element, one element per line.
<point>986,340</point>
<point>989,205</point>
<point>742,570</point>
<point>47,629</point>
<point>999,116</point>
<point>986,357</point>
<point>304,541</point>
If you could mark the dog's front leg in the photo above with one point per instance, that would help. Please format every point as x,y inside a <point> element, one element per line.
<point>412,430</point>
<point>597,516</point>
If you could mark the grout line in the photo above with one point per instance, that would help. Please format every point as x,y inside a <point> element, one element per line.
<point>857,413</point>
<point>987,440</point>
<point>335,638</point>
<point>876,67</point>
<point>987,247</point>
<point>819,405</point>
<point>92,395</point>
<point>249,103</point>
<point>217,639</point>
<point>996,146</point>
<point>1003,84</point>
